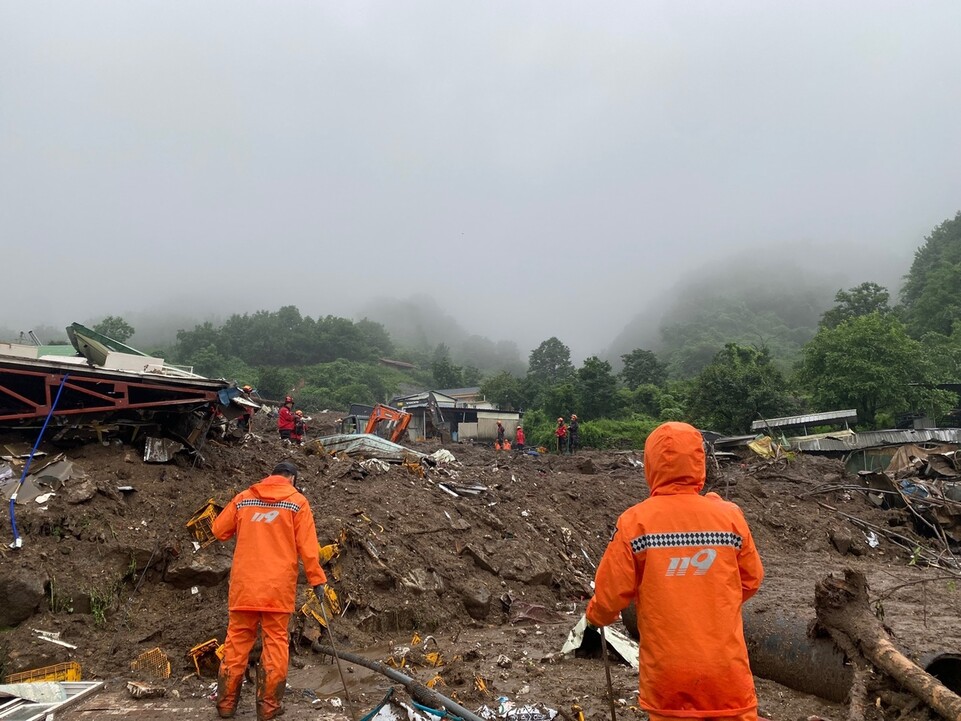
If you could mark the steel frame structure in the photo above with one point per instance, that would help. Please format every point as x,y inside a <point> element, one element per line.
<point>28,387</point>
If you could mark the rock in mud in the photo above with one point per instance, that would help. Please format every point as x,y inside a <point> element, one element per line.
<point>23,592</point>
<point>477,601</point>
<point>81,492</point>
<point>187,572</point>
<point>586,466</point>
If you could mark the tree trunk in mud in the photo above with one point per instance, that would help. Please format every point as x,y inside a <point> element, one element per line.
<point>842,608</point>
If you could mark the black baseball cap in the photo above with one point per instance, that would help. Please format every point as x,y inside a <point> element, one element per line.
<point>285,468</point>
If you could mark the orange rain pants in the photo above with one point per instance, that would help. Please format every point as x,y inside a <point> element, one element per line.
<point>272,676</point>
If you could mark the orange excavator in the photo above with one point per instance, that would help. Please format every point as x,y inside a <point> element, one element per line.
<point>388,422</point>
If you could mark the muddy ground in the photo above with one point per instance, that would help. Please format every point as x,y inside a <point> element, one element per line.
<point>496,580</point>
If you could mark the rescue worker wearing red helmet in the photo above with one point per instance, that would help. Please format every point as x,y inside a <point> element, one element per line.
<point>689,563</point>
<point>561,434</point>
<point>300,428</point>
<point>274,526</point>
<point>286,420</point>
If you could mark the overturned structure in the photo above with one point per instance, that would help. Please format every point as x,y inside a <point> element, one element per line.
<point>106,389</point>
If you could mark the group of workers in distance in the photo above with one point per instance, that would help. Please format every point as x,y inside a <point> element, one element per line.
<point>687,561</point>
<point>568,436</point>
<point>502,444</point>
<point>291,424</point>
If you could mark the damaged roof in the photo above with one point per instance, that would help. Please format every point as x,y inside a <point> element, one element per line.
<point>872,439</point>
<point>808,419</point>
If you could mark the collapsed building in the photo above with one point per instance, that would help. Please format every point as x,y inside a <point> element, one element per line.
<point>105,389</point>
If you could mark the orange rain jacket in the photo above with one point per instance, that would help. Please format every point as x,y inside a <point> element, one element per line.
<point>274,525</point>
<point>689,562</point>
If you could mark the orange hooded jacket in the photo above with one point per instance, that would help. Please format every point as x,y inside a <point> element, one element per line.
<point>688,562</point>
<point>274,525</point>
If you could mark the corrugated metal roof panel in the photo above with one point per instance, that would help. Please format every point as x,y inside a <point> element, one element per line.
<point>809,419</point>
<point>871,439</point>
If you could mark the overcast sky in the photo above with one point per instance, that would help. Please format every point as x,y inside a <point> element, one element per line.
<point>542,168</point>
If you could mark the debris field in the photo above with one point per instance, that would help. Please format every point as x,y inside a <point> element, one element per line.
<point>466,575</point>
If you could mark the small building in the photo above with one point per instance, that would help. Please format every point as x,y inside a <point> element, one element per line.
<point>457,414</point>
<point>470,396</point>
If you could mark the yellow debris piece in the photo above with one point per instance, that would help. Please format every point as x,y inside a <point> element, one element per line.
<point>436,681</point>
<point>328,553</point>
<point>202,650</point>
<point>154,662</point>
<point>413,467</point>
<point>312,608</point>
<point>202,522</point>
<point>58,672</point>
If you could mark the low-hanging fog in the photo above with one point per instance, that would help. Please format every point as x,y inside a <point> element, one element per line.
<point>510,170</point>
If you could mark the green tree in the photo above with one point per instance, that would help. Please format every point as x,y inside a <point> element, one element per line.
<point>739,386</point>
<point>503,390</point>
<point>273,383</point>
<point>871,364</point>
<point>209,362</point>
<point>375,338</point>
<point>931,295</point>
<point>190,342</point>
<point>641,367</point>
<point>597,389</point>
<point>550,363</point>
<point>446,374</point>
<point>560,400</point>
<point>855,302</point>
<point>471,376</point>
<point>115,327</point>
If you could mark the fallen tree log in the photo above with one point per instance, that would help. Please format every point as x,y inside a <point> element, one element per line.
<point>842,609</point>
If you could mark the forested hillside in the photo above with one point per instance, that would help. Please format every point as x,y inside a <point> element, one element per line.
<point>733,348</point>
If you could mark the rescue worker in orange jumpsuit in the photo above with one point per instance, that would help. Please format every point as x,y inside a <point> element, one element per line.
<point>689,563</point>
<point>561,433</point>
<point>519,438</point>
<point>285,419</point>
<point>274,525</point>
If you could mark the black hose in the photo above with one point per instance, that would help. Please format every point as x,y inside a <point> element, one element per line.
<point>417,690</point>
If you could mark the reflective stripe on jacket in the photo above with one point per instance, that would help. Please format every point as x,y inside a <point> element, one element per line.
<point>274,526</point>
<point>689,562</point>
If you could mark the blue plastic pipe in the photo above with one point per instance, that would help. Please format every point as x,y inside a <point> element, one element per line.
<point>17,540</point>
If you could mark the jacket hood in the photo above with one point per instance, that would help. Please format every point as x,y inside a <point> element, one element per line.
<point>273,488</point>
<point>674,459</point>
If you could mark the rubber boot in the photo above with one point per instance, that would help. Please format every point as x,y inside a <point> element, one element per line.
<point>228,692</point>
<point>270,694</point>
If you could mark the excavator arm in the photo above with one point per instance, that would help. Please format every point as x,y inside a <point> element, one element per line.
<point>388,422</point>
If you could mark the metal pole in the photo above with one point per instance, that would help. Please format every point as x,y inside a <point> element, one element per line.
<point>607,672</point>
<point>17,540</point>
<point>330,635</point>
